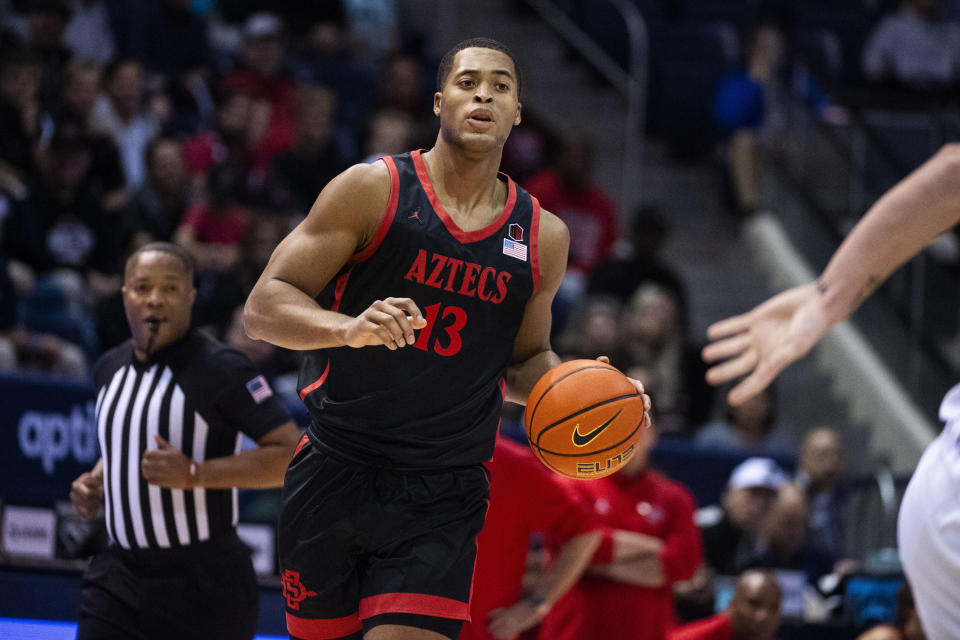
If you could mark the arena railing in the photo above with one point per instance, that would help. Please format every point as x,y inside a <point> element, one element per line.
<point>632,83</point>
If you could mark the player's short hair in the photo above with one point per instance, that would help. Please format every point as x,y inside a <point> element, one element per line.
<point>446,62</point>
<point>169,248</point>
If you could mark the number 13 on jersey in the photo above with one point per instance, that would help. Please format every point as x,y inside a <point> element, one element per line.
<point>452,329</point>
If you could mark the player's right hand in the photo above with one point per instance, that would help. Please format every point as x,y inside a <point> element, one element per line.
<point>389,322</point>
<point>86,493</point>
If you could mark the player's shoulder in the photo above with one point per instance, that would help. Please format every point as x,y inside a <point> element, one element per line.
<point>552,228</point>
<point>363,178</point>
<point>553,246</point>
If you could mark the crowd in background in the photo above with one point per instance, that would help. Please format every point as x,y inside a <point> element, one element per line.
<point>123,123</point>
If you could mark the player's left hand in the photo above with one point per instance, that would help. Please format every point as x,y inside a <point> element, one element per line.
<point>636,383</point>
<point>509,622</point>
<point>166,466</point>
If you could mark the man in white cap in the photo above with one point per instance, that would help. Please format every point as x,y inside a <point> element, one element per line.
<point>730,533</point>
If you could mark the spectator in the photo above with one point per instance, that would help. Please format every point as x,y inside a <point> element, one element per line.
<point>228,145</point>
<point>313,159</point>
<point>263,76</point>
<point>651,542</point>
<point>175,44</point>
<point>653,339</point>
<point>786,542</point>
<point>731,533</point>
<point>750,104</point>
<point>213,232</point>
<point>21,118</point>
<point>820,473</point>
<point>753,613</point>
<point>121,112</point>
<point>748,428</point>
<point>405,89</point>
<point>914,47</point>
<point>568,190</point>
<point>595,328</point>
<point>621,275</point>
<point>161,203</point>
<point>63,243</point>
<point>105,178</point>
<point>390,133</point>
<point>374,27</point>
<point>22,349</point>
<point>89,34</point>
<point>525,498</point>
<point>46,22</point>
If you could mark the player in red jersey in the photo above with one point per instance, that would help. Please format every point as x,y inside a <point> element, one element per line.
<point>421,287</point>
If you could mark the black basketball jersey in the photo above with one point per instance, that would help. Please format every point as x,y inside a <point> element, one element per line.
<point>436,403</point>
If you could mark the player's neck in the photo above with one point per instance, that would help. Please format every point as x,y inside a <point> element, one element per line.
<point>464,182</point>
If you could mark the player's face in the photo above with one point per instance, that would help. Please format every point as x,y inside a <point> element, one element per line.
<point>158,295</point>
<point>479,104</point>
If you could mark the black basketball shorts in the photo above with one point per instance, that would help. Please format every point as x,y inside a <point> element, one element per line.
<point>362,546</point>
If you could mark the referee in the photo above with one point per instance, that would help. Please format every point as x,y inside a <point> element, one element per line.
<point>171,405</point>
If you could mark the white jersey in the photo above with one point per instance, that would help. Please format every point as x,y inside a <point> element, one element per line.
<point>929,528</point>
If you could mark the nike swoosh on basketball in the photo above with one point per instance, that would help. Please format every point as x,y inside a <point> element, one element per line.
<point>582,440</point>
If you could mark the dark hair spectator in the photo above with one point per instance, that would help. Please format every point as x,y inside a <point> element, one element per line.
<point>313,159</point>
<point>750,428</point>
<point>653,339</point>
<point>621,274</point>
<point>21,117</point>
<point>121,112</point>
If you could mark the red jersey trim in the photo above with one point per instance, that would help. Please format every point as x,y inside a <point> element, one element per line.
<point>448,222</point>
<point>416,603</point>
<point>316,383</point>
<point>323,628</point>
<point>339,288</point>
<point>388,216</point>
<point>535,244</point>
<point>301,444</point>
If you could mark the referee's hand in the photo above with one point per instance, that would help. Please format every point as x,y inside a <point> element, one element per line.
<point>86,493</point>
<point>166,466</point>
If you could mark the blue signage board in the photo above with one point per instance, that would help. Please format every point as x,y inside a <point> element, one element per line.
<point>47,438</point>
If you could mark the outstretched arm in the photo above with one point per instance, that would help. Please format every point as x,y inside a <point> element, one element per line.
<point>762,342</point>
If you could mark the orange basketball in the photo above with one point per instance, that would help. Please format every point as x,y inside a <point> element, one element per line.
<point>583,419</point>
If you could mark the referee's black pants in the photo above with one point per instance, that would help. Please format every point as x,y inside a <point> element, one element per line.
<point>206,590</point>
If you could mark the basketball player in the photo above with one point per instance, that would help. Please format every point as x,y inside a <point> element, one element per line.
<point>762,342</point>
<point>420,285</point>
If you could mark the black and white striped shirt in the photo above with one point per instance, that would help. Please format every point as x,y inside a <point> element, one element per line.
<point>199,396</point>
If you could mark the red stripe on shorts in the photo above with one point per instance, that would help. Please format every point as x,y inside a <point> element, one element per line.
<point>323,628</point>
<point>416,603</point>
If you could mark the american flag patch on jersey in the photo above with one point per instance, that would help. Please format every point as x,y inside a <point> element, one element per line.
<point>514,249</point>
<point>259,389</point>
